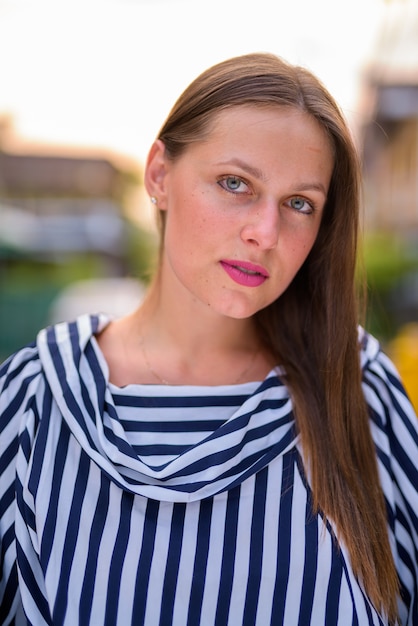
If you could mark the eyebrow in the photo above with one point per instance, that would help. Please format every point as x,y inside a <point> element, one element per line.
<point>257,173</point>
<point>253,171</point>
<point>312,187</point>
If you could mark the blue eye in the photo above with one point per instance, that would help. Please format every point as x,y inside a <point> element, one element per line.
<point>234,184</point>
<point>297,203</point>
<point>301,205</point>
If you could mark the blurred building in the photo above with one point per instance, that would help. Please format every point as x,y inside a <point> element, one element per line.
<point>52,205</point>
<point>63,218</point>
<point>388,138</point>
<point>390,130</point>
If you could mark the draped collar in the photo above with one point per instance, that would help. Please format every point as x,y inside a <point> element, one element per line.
<point>260,430</point>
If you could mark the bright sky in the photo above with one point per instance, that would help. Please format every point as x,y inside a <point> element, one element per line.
<point>106,72</point>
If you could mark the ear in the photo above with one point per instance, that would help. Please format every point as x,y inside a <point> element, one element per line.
<point>156,169</point>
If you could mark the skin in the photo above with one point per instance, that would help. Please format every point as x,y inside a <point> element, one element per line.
<point>253,192</point>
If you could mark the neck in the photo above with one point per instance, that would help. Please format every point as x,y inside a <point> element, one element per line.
<point>169,340</point>
<point>192,327</point>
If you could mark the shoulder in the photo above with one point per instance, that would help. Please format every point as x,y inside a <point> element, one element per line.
<point>23,374</point>
<point>382,384</point>
<point>18,378</point>
<point>66,342</point>
<point>389,406</point>
<point>394,423</point>
<point>394,428</point>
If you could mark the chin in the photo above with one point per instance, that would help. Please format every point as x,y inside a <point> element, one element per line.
<point>235,311</point>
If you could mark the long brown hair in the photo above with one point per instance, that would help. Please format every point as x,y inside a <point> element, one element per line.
<point>312,327</point>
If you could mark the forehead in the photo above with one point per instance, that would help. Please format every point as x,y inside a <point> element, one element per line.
<point>245,125</point>
<point>252,116</point>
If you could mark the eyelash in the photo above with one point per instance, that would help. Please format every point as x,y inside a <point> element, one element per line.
<point>311,206</point>
<point>222,183</point>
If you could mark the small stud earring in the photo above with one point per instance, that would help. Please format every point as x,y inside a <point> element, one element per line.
<point>153,200</point>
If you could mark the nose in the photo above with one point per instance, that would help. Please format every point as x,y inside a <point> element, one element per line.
<point>262,225</point>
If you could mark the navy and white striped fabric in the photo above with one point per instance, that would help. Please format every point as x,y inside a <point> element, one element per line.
<point>184,506</point>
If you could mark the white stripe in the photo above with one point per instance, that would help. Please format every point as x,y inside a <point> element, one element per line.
<point>216,544</point>
<point>242,557</point>
<point>297,556</point>
<point>158,564</point>
<point>270,543</point>
<point>186,564</point>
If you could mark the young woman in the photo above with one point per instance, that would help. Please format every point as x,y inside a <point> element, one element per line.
<point>236,451</point>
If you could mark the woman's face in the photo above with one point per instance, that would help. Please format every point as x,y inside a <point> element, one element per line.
<point>243,208</point>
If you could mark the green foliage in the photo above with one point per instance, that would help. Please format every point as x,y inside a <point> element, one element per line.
<point>388,259</point>
<point>141,253</point>
<point>32,274</point>
<point>29,285</point>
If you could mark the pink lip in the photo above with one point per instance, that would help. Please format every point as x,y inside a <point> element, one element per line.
<point>245,273</point>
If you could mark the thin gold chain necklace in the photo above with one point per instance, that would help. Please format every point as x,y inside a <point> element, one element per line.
<point>166,382</point>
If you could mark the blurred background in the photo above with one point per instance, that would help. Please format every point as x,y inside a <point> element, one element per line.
<point>84,88</point>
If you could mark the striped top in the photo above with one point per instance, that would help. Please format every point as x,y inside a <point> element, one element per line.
<point>180,505</point>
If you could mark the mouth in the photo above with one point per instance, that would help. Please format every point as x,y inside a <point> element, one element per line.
<point>245,273</point>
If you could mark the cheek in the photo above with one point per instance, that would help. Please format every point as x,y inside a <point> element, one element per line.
<point>297,253</point>
<point>311,238</point>
<point>186,235</point>
<point>302,245</point>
